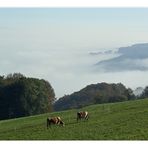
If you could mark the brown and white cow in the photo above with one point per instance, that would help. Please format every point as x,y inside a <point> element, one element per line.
<point>82,115</point>
<point>54,120</point>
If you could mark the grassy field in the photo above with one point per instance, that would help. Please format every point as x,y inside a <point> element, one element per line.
<point>115,121</point>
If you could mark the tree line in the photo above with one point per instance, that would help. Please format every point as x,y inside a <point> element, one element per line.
<point>97,94</point>
<point>21,96</point>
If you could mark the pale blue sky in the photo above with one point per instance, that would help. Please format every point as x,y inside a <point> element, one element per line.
<point>74,15</point>
<point>53,43</point>
<point>114,26</point>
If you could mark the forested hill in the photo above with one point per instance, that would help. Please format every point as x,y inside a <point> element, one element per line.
<point>21,96</point>
<point>94,94</point>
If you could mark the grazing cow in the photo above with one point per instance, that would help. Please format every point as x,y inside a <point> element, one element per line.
<point>54,120</point>
<point>82,115</point>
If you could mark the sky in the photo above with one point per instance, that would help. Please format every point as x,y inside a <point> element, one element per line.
<point>55,44</point>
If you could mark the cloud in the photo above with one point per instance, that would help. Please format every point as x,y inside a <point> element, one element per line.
<point>131,58</point>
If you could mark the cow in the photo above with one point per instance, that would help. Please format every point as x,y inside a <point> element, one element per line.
<point>54,120</point>
<point>82,115</point>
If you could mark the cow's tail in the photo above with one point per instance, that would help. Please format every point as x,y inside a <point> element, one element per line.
<point>48,123</point>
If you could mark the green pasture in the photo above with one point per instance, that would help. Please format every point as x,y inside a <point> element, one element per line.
<point>114,121</point>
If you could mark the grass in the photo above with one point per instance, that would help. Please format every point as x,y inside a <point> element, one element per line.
<point>115,121</point>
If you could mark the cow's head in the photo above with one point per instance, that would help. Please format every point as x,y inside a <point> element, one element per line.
<point>62,123</point>
<point>79,114</point>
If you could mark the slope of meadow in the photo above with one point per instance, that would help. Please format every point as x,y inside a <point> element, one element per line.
<point>115,121</point>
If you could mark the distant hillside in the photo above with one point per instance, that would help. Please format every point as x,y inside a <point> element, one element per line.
<point>133,57</point>
<point>93,94</point>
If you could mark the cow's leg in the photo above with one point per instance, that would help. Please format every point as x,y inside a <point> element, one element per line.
<point>78,118</point>
<point>87,117</point>
<point>59,121</point>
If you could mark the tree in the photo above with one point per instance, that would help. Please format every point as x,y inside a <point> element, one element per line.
<point>145,93</point>
<point>21,96</point>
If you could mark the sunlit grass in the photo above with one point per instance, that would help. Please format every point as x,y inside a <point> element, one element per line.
<point>115,121</point>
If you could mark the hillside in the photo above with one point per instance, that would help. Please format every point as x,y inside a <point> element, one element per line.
<point>131,58</point>
<point>94,94</point>
<point>115,121</point>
